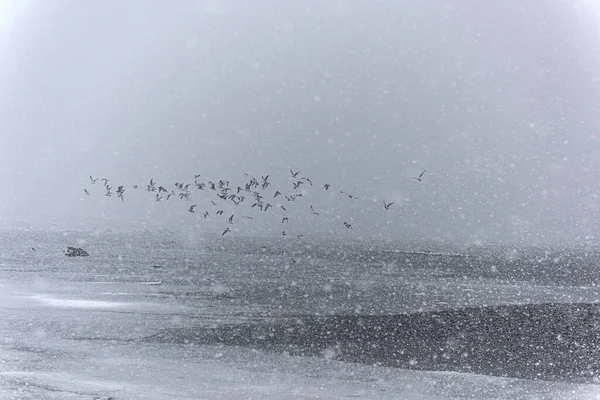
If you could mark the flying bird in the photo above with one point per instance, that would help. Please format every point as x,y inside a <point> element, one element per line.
<point>230,220</point>
<point>225,231</point>
<point>299,236</point>
<point>120,191</point>
<point>297,184</point>
<point>191,209</point>
<point>387,205</point>
<point>327,186</point>
<point>284,219</point>
<point>313,210</point>
<point>349,195</point>
<point>347,225</point>
<point>86,192</point>
<point>308,180</point>
<point>420,177</point>
<point>277,193</point>
<point>205,214</point>
<point>294,174</point>
<point>93,180</point>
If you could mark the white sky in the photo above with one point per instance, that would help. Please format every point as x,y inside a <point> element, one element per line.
<point>504,120</point>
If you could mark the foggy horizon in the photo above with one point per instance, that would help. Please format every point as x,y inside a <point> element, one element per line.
<point>497,103</point>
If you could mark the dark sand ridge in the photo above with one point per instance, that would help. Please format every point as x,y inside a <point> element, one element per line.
<point>535,341</point>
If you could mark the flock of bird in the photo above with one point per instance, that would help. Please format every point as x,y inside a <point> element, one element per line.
<point>253,192</point>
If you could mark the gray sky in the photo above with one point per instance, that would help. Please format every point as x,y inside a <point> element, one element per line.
<point>498,102</point>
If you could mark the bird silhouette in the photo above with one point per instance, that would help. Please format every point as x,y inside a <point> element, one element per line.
<point>307,180</point>
<point>277,193</point>
<point>93,180</point>
<point>86,192</point>
<point>348,194</point>
<point>297,184</point>
<point>420,177</point>
<point>230,220</point>
<point>387,206</point>
<point>327,186</point>
<point>294,174</point>
<point>284,219</point>
<point>225,231</point>
<point>191,209</point>
<point>347,225</point>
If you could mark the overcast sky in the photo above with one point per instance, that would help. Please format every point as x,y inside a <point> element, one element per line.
<point>498,101</point>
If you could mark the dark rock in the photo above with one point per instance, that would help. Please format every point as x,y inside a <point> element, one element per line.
<point>76,252</point>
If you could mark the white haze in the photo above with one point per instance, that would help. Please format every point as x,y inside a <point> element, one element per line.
<point>496,100</point>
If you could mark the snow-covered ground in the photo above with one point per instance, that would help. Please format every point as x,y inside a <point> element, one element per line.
<point>77,328</point>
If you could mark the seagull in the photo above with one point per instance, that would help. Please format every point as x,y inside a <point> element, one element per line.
<point>294,174</point>
<point>220,212</point>
<point>104,180</point>
<point>347,225</point>
<point>158,198</point>
<point>297,184</point>
<point>230,220</point>
<point>349,195</point>
<point>313,210</point>
<point>387,206</point>
<point>245,216</point>
<point>277,193</point>
<point>162,189</point>
<point>284,219</point>
<point>267,206</point>
<point>299,236</point>
<point>205,214</point>
<point>86,192</point>
<point>191,209</point>
<point>135,186</point>
<point>327,186</point>
<point>151,186</point>
<point>307,180</point>
<point>283,233</point>
<point>225,231</point>
<point>120,191</point>
<point>283,208</point>
<point>93,180</point>
<point>420,177</point>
